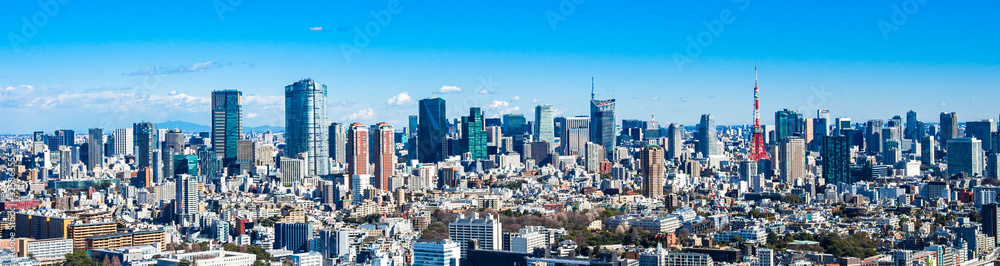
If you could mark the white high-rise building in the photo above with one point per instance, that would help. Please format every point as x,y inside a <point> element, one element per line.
<point>124,142</point>
<point>765,257</point>
<point>486,230</point>
<point>436,253</point>
<point>358,185</point>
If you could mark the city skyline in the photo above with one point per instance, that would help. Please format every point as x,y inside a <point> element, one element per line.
<point>155,71</point>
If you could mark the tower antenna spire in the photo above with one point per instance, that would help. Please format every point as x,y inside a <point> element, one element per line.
<point>592,88</point>
<point>755,74</point>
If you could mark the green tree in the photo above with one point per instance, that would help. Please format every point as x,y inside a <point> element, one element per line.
<point>79,258</point>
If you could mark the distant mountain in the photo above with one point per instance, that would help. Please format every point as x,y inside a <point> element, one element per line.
<point>188,127</point>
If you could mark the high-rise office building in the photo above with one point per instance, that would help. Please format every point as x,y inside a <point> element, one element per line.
<point>357,146</point>
<point>949,127</point>
<point>675,141</point>
<point>653,171</point>
<point>95,148</point>
<point>544,127</point>
<point>338,143</point>
<point>485,230</point>
<point>874,137</point>
<point>990,214</point>
<point>707,142</point>
<point>982,130</point>
<point>841,124</point>
<point>436,253</point>
<point>227,123</point>
<point>186,164</point>
<point>516,128</point>
<point>575,135</point>
<point>892,153</point>
<point>602,123</point>
<point>927,146</point>
<point>836,154</point>
<point>124,141</point>
<point>433,126</point>
<point>965,155</point>
<point>385,155</point>
<point>307,126</point>
<point>792,159</point>
<point>593,157</point>
<point>411,143</point>
<point>174,139</point>
<point>187,197</point>
<point>292,236</point>
<point>474,134</point>
<point>912,125</point>
<point>786,124</point>
<point>146,142</point>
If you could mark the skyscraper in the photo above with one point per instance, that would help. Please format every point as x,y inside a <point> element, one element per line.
<point>792,159</point>
<point>433,127</point>
<point>949,126</point>
<point>707,144</point>
<point>516,127</point>
<point>307,126</point>
<point>911,126</point>
<point>385,159</point>
<point>124,141</point>
<point>786,124</point>
<point>95,148</point>
<point>411,143</point>
<point>474,134</point>
<point>544,127</point>
<point>338,143</point>
<point>837,159</point>
<point>357,146</point>
<point>576,134</point>
<point>982,130</point>
<point>675,141</point>
<point>227,123</point>
<point>965,155</point>
<point>990,215</point>
<point>653,171</point>
<point>873,136</point>
<point>927,146</point>
<point>602,123</point>
<point>146,142</point>
<point>187,197</point>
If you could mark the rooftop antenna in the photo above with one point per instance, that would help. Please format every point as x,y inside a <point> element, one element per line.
<point>592,97</point>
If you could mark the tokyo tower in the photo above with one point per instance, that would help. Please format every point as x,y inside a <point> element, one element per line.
<point>757,149</point>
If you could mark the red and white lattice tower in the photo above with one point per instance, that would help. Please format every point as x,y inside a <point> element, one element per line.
<point>757,149</point>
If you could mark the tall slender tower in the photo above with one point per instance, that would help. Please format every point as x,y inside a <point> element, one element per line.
<point>384,155</point>
<point>306,125</point>
<point>757,149</point>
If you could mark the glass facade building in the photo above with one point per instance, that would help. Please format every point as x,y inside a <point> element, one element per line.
<point>307,126</point>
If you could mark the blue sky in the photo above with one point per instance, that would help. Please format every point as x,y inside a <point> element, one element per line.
<point>112,63</point>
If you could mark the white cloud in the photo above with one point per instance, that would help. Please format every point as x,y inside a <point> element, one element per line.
<point>501,107</point>
<point>316,28</point>
<point>252,115</point>
<point>363,114</point>
<point>536,100</point>
<point>484,92</point>
<point>400,100</point>
<point>197,67</point>
<point>654,99</point>
<point>515,98</point>
<point>449,89</point>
